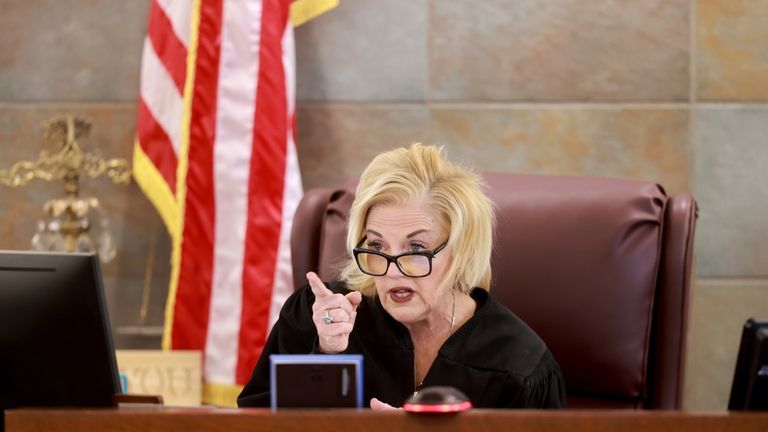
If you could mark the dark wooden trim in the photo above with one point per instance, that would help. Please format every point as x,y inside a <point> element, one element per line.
<point>254,420</point>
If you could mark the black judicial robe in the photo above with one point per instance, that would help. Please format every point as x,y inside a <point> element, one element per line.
<point>494,358</point>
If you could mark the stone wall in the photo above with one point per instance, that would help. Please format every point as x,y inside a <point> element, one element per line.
<point>673,91</point>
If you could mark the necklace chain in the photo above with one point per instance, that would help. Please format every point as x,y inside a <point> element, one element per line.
<point>450,330</point>
<point>453,313</point>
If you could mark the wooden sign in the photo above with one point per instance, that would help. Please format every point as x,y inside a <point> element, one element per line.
<point>175,375</point>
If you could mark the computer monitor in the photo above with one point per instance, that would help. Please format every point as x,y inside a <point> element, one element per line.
<point>749,388</point>
<point>55,341</point>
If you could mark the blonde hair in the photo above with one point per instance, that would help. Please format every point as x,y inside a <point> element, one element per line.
<point>455,192</point>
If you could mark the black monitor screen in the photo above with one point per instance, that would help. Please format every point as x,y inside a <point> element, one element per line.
<point>55,341</point>
<point>749,389</point>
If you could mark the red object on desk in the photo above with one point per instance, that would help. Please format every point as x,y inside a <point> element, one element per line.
<point>438,409</point>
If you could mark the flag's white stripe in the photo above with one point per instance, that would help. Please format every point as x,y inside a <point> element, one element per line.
<point>160,94</point>
<point>289,65</point>
<point>283,286</point>
<point>178,12</point>
<point>284,283</point>
<point>238,69</point>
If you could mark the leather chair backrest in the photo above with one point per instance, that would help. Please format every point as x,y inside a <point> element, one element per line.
<point>598,267</point>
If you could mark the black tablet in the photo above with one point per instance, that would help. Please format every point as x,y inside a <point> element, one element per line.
<point>316,381</point>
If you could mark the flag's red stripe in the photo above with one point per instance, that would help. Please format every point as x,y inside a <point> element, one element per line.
<point>170,50</point>
<point>265,188</point>
<point>156,145</point>
<point>193,294</point>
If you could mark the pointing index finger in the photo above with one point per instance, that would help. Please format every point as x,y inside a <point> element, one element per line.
<point>317,286</point>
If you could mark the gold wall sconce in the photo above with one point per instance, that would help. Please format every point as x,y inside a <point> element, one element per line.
<point>67,221</point>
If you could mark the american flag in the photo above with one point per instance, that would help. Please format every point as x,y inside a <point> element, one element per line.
<point>215,153</point>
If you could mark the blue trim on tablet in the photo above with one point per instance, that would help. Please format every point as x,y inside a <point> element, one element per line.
<point>353,359</point>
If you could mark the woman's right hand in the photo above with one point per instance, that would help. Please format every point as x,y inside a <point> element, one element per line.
<point>333,315</point>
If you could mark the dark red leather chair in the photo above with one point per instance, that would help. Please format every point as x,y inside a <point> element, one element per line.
<point>600,268</point>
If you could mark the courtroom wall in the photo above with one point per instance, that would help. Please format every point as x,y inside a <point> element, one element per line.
<point>673,91</point>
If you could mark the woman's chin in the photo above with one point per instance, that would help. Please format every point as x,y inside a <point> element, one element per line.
<point>404,313</point>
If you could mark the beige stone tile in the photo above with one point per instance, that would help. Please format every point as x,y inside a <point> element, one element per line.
<point>717,313</point>
<point>643,144</point>
<point>71,50</point>
<point>336,141</point>
<point>364,50</point>
<point>731,156</point>
<point>732,42</point>
<point>566,50</point>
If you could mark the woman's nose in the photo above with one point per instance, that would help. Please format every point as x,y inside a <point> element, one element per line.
<point>393,270</point>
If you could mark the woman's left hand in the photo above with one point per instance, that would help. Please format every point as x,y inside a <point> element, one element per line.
<point>378,405</point>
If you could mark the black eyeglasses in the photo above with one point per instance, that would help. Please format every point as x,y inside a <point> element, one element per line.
<point>412,264</point>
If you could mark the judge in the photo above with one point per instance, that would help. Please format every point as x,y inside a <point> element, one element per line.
<point>414,297</point>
